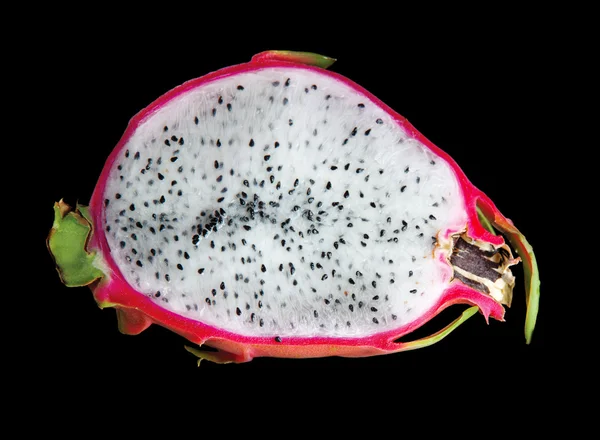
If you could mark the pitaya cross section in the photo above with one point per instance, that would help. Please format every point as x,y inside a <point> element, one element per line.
<point>276,208</point>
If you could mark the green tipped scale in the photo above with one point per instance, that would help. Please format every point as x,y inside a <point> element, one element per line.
<point>67,243</point>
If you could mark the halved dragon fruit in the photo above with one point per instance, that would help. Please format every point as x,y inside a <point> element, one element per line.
<point>275,208</point>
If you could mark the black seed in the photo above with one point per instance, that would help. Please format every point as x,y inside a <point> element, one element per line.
<point>368,132</point>
<point>373,205</point>
<point>132,207</point>
<point>333,167</point>
<point>139,263</point>
<point>179,266</point>
<point>375,321</point>
<point>432,217</point>
<point>247,228</point>
<point>324,277</point>
<point>167,277</point>
<point>277,338</point>
<point>328,186</point>
<point>351,307</point>
<point>201,270</point>
<point>162,199</point>
<point>238,311</point>
<point>351,281</point>
<point>361,105</point>
<point>350,225</point>
<point>251,143</point>
<point>404,225</point>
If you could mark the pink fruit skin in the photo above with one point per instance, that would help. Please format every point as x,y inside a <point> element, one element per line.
<point>136,312</point>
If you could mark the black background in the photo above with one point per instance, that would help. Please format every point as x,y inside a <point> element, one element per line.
<point>473,91</point>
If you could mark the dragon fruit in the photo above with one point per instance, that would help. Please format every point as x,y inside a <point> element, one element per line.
<point>276,208</point>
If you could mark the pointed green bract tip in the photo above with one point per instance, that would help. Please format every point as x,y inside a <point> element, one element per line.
<point>438,336</point>
<point>308,58</point>
<point>490,219</point>
<point>218,357</point>
<point>67,243</point>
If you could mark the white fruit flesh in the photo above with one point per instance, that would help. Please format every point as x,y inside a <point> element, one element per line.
<point>328,209</point>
